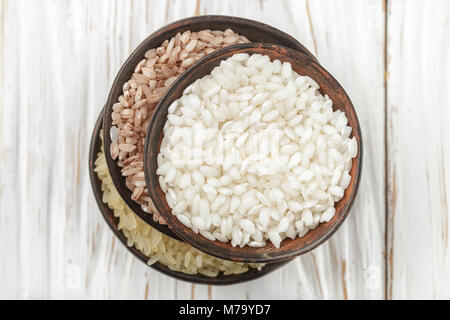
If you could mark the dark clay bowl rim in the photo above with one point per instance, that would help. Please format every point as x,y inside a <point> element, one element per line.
<point>289,248</point>
<point>113,222</point>
<point>155,39</point>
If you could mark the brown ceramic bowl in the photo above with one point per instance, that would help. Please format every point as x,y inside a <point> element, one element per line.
<point>289,248</point>
<point>253,30</point>
<point>113,223</point>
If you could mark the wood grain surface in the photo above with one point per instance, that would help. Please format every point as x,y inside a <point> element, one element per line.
<point>418,119</point>
<point>58,59</point>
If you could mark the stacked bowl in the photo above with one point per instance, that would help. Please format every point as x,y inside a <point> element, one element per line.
<point>126,148</point>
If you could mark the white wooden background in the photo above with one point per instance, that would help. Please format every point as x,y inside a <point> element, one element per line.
<point>58,59</point>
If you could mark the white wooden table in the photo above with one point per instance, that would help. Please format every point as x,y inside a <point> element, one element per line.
<point>58,60</point>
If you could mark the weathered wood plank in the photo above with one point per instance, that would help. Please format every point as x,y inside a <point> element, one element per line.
<point>418,149</point>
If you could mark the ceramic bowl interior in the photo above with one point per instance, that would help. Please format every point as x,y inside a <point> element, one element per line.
<point>303,65</point>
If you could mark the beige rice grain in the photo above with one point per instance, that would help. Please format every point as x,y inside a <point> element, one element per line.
<point>174,254</point>
<point>150,80</point>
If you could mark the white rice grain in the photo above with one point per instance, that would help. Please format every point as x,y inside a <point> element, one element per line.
<point>271,157</point>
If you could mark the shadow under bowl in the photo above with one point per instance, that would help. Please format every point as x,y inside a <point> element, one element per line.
<point>289,248</point>
<point>113,223</point>
<point>253,30</point>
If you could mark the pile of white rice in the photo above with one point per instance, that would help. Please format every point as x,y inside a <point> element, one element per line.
<point>174,254</point>
<point>254,152</point>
